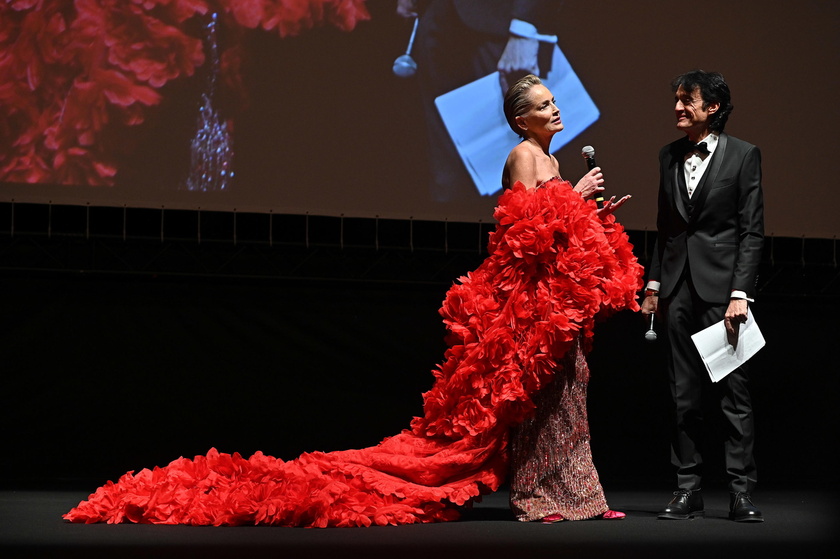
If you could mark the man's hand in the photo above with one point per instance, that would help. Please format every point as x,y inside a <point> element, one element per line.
<point>650,305</point>
<point>518,60</point>
<point>407,8</point>
<point>736,314</point>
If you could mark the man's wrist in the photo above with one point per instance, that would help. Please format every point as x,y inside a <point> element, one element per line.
<point>651,293</point>
<point>736,294</point>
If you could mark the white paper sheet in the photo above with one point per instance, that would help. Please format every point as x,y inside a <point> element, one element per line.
<point>719,356</point>
<point>475,120</point>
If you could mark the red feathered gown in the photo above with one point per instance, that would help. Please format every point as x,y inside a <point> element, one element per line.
<point>553,267</point>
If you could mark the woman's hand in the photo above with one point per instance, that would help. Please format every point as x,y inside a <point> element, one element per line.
<point>590,183</point>
<point>611,205</point>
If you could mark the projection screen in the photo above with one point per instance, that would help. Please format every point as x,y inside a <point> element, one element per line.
<point>295,108</point>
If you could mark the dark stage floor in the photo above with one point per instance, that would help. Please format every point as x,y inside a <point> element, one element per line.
<point>800,524</point>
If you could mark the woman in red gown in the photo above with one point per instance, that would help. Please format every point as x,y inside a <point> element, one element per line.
<point>509,396</point>
<point>552,475</point>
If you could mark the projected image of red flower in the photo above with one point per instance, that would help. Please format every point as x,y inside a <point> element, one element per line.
<point>71,70</point>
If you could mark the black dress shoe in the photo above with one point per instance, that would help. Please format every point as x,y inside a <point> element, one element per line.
<point>686,504</point>
<point>742,509</point>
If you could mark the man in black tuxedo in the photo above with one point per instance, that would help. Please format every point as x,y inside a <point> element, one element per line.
<point>704,267</point>
<point>459,41</point>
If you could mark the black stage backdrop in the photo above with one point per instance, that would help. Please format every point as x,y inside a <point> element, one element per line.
<point>108,373</point>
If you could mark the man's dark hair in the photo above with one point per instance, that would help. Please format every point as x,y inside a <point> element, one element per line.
<point>713,89</point>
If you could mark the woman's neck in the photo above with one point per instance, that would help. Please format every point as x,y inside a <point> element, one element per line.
<point>542,144</point>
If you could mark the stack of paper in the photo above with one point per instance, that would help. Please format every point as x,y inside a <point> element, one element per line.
<point>718,353</point>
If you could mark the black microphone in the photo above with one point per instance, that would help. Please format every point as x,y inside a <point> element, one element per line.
<point>588,153</point>
<point>404,65</point>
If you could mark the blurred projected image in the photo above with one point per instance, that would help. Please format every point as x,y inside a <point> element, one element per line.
<point>466,53</point>
<point>76,74</point>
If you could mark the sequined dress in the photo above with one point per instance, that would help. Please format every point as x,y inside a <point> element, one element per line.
<point>551,461</point>
<point>553,268</point>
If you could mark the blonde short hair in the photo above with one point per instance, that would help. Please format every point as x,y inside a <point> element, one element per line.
<point>516,100</point>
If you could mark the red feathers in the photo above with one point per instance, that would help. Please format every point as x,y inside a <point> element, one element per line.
<point>554,267</point>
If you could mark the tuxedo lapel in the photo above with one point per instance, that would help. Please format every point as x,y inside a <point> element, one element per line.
<point>678,176</point>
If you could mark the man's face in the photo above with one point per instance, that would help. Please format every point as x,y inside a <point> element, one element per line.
<point>692,116</point>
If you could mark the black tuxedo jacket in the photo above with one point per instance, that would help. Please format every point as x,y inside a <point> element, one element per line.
<point>717,234</point>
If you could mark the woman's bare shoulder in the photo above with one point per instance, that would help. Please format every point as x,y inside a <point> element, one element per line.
<point>521,158</point>
<point>523,165</point>
<point>522,151</point>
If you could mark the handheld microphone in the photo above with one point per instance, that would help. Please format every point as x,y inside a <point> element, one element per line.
<point>650,335</point>
<point>404,65</point>
<point>588,153</point>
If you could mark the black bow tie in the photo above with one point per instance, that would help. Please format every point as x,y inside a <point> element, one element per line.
<point>702,148</point>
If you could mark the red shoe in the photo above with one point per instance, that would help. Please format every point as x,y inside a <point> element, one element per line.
<point>612,515</point>
<point>551,518</point>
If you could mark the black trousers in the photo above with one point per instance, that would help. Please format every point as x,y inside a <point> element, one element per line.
<point>685,314</point>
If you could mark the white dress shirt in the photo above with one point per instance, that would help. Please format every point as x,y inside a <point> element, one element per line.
<point>696,163</point>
